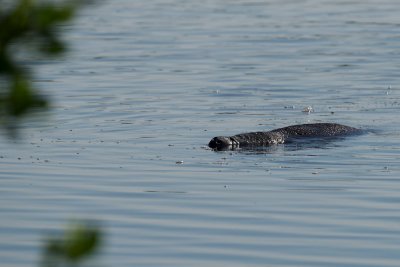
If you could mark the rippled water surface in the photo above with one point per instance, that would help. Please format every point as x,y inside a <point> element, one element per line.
<point>147,84</point>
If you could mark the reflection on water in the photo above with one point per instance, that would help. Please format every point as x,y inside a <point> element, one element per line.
<point>148,84</point>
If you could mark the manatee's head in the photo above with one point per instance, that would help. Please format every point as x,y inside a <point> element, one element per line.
<point>223,142</point>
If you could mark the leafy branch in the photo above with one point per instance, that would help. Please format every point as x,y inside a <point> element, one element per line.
<point>28,25</point>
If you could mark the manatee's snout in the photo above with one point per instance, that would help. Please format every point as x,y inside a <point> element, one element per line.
<point>221,142</point>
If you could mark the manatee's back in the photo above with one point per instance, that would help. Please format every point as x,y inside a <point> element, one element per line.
<point>317,130</point>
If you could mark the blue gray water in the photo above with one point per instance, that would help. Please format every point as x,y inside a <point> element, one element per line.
<point>147,84</point>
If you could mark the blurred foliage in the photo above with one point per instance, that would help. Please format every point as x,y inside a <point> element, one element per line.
<point>27,26</point>
<point>32,26</point>
<point>78,242</point>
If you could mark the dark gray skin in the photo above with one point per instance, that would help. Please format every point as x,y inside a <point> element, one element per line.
<point>282,135</point>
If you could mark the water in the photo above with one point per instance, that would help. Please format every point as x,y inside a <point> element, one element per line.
<point>148,83</point>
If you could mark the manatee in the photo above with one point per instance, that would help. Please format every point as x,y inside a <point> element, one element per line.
<point>287,134</point>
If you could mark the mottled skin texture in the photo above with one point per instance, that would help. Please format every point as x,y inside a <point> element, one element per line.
<point>282,135</point>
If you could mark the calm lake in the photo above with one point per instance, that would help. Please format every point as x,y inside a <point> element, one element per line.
<point>147,84</point>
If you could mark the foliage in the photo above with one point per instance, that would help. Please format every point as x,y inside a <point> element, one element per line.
<point>32,26</point>
<point>27,26</point>
<point>79,241</point>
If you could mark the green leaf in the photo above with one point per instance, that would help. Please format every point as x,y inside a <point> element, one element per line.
<point>21,98</point>
<point>81,241</point>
